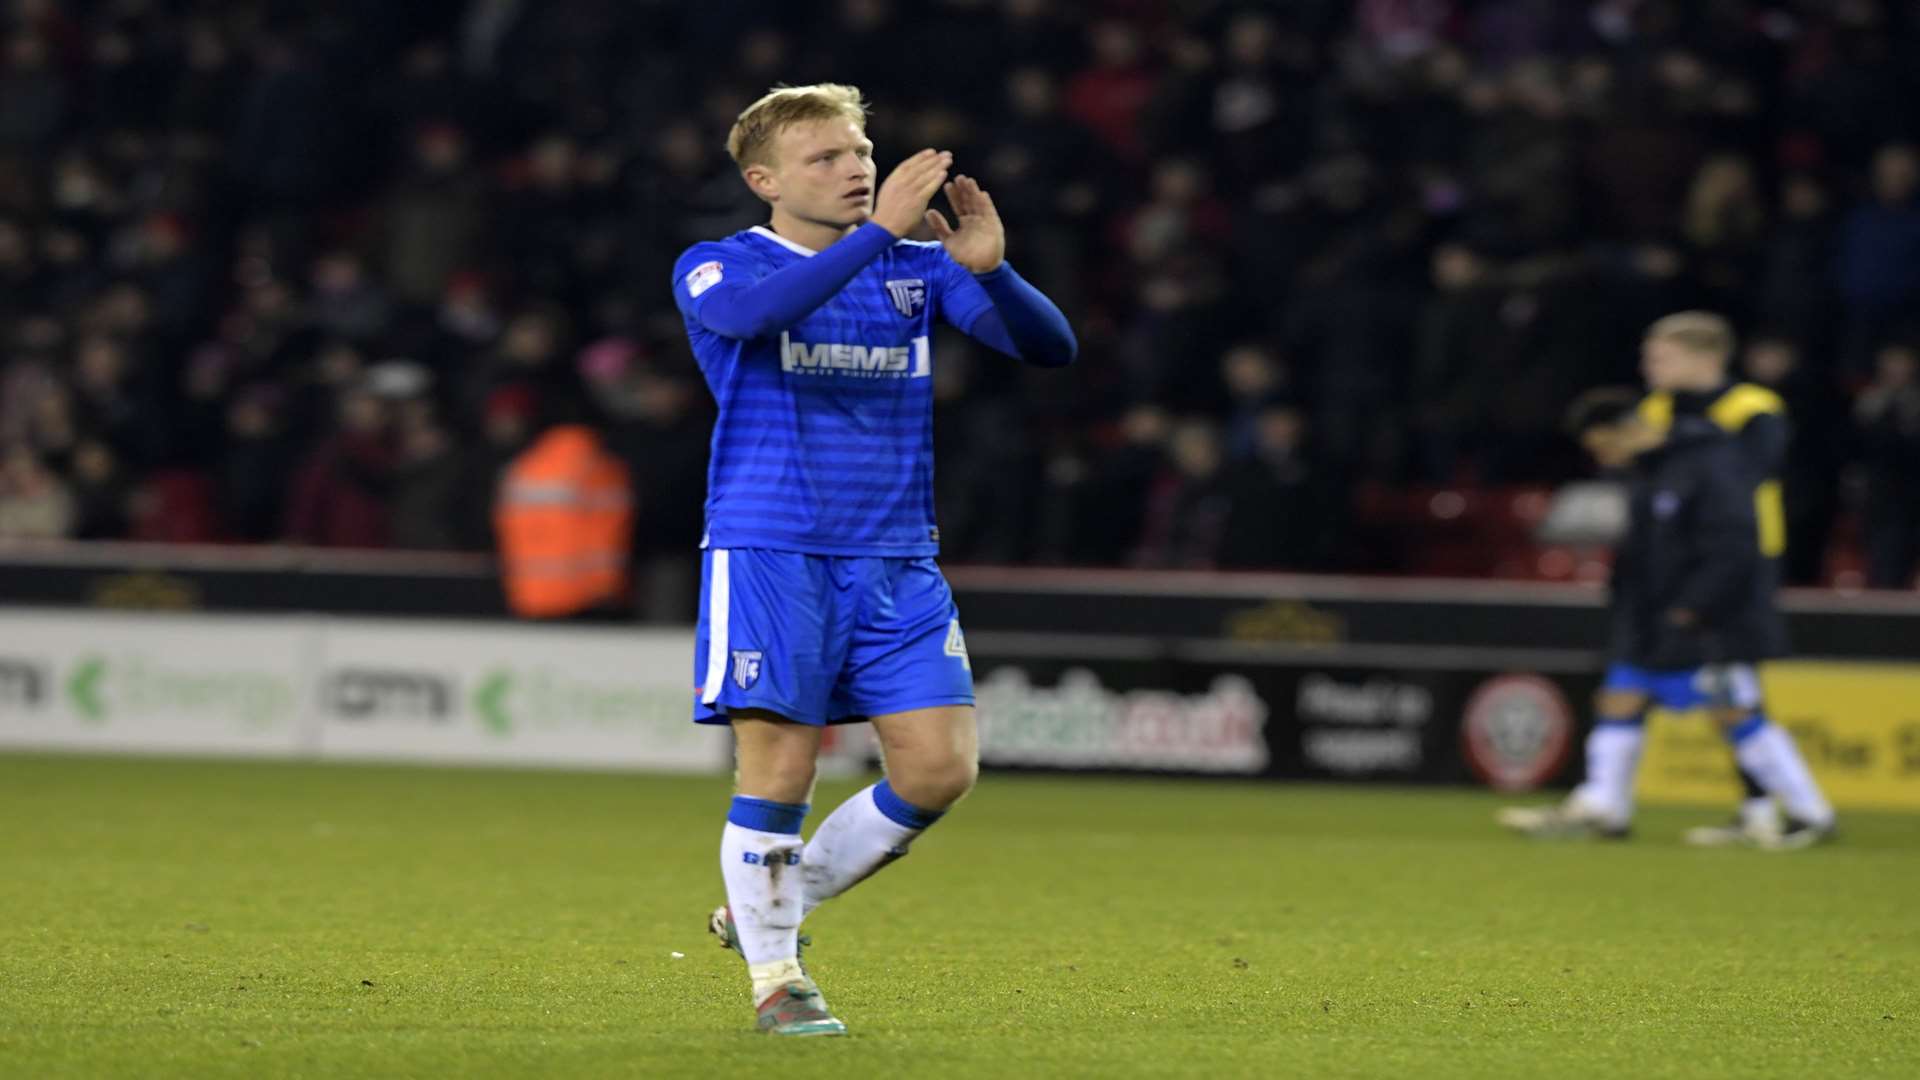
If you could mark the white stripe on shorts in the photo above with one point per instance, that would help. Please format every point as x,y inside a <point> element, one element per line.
<point>1730,686</point>
<point>719,603</point>
<point>1743,686</point>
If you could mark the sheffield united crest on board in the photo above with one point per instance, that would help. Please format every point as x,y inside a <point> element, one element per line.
<point>1517,731</point>
<point>909,295</point>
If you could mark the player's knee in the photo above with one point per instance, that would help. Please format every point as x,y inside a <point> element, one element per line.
<point>950,784</point>
<point>936,783</point>
<point>779,780</point>
<point>965,771</point>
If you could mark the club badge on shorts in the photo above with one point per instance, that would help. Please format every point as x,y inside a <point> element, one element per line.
<point>746,668</point>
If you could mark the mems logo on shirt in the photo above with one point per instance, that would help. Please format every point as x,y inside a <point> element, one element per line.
<point>857,361</point>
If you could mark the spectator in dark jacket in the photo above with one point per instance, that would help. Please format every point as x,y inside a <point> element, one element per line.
<point>1879,264</point>
<point>340,493</point>
<point>1284,513</point>
<point>1796,290</point>
<point>1255,379</point>
<point>429,481</point>
<point>250,481</point>
<point>433,216</point>
<point>33,96</point>
<point>1189,504</point>
<point>1888,418</point>
<point>101,494</point>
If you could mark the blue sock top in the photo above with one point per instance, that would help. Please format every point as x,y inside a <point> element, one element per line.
<point>1747,728</point>
<point>766,815</point>
<point>1630,720</point>
<point>900,811</point>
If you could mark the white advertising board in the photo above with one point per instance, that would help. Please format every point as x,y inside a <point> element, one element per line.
<point>304,686</point>
<point>513,693</point>
<point>154,683</point>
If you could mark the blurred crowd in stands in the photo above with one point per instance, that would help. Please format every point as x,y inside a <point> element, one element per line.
<point>313,272</point>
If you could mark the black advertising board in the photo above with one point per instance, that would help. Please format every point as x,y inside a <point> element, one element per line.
<point>1189,714</point>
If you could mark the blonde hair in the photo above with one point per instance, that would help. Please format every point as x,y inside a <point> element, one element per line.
<point>751,140</point>
<point>1695,331</point>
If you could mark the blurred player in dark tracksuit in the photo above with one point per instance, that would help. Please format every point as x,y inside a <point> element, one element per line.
<point>1685,359</point>
<point>1693,612</point>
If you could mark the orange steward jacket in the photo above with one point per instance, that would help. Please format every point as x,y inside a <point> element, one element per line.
<point>564,516</point>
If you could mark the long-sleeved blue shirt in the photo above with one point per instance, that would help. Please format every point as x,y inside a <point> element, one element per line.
<point>821,364</point>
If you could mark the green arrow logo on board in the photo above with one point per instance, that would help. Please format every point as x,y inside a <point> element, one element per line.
<point>490,704</point>
<point>83,689</point>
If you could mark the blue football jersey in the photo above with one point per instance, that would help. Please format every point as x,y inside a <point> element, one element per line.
<point>824,441</point>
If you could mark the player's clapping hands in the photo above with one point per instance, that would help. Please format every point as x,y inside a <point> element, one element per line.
<point>979,242</point>
<point>908,188</point>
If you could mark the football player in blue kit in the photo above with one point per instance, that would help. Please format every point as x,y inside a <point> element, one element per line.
<point>820,599</point>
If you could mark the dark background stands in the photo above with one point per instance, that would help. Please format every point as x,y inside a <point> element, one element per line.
<point>1322,255</point>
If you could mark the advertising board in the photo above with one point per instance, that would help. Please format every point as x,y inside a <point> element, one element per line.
<point>1857,725</point>
<point>305,686</point>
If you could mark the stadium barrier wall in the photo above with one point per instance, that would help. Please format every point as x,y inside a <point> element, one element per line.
<point>1268,676</point>
<point>306,686</point>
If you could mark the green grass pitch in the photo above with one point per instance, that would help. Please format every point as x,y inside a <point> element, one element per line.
<point>166,918</point>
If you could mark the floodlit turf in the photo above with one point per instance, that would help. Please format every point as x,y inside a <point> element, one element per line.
<point>194,919</point>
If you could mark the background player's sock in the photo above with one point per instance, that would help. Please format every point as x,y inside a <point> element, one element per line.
<point>1759,814</point>
<point>760,861</point>
<point>863,834</point>
<point>1767,751</point>
<point>1613,750</point>
<point>1756,806</point>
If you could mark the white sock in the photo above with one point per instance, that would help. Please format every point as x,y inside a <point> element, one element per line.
<point>861,836</point>
<point>768,978</point>
<point>762,872</point>
<point>1760,813</point>
<point>1768,752</point>
<point>1613,752</point>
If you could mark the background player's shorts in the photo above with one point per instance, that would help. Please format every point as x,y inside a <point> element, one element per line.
<point>825,639</point>
<point>1719,686</point>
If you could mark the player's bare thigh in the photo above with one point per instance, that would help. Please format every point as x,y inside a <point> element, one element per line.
<point>774,756</point>
<point>932,755</point>
<point>1619,703</point>
<point>1730,716</point>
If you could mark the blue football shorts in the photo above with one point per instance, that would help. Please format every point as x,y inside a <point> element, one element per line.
<point>825,639</point>
<point>1719,686</point>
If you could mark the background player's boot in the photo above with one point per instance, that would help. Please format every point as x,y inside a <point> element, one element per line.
<point>1799,835</point>
<point>1757,826</point>
<point>798,1009</point>
<point>1570,820</point>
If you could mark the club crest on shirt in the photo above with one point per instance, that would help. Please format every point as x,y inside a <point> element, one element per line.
<point>746,668</point>
<point>909,295</point>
